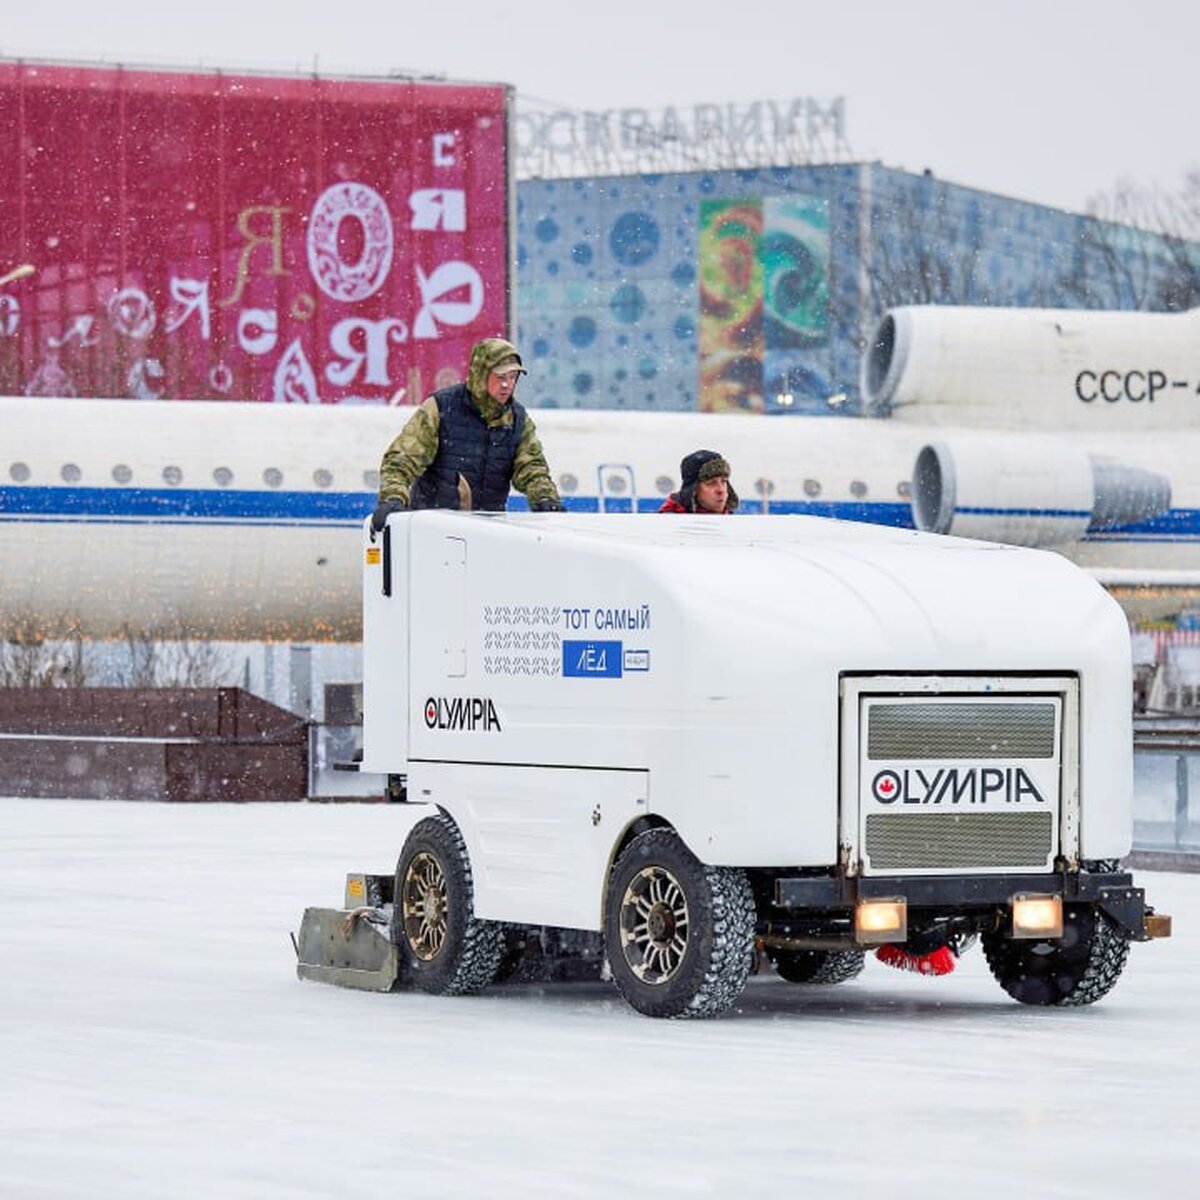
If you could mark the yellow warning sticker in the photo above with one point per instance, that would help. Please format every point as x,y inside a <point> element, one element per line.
<point>355,888</point>
<point>374,555</point>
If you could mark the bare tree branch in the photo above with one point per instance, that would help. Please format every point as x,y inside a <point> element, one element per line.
<point>163,656</point>
<point>28,659</point>
<point>1141,249</point>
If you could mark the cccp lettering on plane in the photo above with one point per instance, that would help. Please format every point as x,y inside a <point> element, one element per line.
<point>1112,387</point>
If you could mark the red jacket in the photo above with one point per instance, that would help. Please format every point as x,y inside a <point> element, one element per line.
<point>671,504</point>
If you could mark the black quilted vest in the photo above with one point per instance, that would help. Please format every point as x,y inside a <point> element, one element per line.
<point>468,447</point>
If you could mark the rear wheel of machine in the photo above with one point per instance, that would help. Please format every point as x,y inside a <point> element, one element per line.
<point>447,950</point>
<point>679,935</point>
<point>817,966</point>
<point>1077,969</point>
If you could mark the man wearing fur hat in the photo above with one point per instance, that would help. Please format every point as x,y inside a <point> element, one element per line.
<point>466,445</point>
<point>705,488</point>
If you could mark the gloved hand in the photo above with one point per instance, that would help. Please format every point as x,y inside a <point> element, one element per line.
<point>546,506</point>
<point>384,509</point>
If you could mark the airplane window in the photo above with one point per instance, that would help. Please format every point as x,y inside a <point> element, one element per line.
<point>172,476</point>
<point>567,482</point>
<point>121,473</point>
<point>222,476</point>
<point>273,477</point>
<point>615,483</point>
<point>665,485</point>
<point>19,472</point>
<point>858,489</point>
<point>322,478</point>
<point>904,490</point>
<point>371,480</point>
<point>71,473</point>
<point>764,487</point>
<point>812,488</point>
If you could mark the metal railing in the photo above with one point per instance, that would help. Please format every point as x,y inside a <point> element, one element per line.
<point>1166,774</point>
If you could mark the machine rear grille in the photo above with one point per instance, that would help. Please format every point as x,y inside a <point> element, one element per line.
<point>961,729</point>
<point>911,841</point>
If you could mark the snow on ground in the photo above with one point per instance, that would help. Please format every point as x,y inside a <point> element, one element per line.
<point>155,1042</point>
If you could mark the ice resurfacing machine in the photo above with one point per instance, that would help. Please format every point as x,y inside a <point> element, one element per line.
<point>675,747</point>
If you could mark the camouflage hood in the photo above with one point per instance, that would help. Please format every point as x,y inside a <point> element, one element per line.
<point>487,356</point>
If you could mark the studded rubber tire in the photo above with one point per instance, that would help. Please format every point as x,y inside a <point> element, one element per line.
<point>817,966</point>
<point>1077,969</point>
<point>447,950</point>
<point>679,935</point>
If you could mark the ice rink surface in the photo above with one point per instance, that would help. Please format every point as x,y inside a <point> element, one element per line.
<point>155,1042</point>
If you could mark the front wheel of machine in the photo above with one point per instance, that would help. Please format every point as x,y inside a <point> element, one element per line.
<point>447,950</point>
<point>1077,969</point>
<point>679,935</point>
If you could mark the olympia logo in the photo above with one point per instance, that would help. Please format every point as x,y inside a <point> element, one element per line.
<point>954,785</point>
<point>467,713</point>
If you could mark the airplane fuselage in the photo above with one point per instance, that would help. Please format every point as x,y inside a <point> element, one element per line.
<point>240,521</point>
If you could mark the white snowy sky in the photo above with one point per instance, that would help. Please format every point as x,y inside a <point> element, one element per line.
<point>155,1042</point>
<point>1052,102</point>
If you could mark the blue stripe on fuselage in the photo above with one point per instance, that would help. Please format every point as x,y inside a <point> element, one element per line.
<point>172,505</point>
<point>183,504</point>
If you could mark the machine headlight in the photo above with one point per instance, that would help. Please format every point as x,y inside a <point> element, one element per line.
<point>1035,916</point>
<point>881,919</point>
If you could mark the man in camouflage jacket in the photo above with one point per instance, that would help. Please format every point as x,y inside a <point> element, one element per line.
<point>466,445</point>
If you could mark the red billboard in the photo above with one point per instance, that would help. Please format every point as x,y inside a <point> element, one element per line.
<point>247,237</point>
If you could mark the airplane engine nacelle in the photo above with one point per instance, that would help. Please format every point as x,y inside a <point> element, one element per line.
<point>1028,491</point>
<point>1036,369</point>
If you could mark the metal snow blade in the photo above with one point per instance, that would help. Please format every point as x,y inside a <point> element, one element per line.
<point>348,947</point>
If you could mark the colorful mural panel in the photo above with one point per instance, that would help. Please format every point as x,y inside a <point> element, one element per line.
<point>764,304</point>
